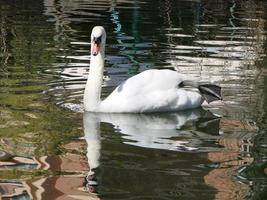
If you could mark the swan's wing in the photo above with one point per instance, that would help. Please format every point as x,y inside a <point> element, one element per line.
<point>148,81</point>
<point>151,91</point>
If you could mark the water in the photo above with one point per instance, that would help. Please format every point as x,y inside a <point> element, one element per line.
<point>49,149</point>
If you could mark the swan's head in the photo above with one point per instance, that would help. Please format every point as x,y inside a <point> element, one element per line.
<point>98,40</point>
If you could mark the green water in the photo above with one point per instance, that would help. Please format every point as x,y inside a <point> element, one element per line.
<point>50,149</point>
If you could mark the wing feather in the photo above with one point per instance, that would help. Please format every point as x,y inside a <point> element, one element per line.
<point>149,81</point>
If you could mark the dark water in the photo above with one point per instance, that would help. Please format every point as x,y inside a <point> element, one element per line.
<point>51,150</point>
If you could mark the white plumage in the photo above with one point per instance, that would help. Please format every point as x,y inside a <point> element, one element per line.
<point>151,91</point>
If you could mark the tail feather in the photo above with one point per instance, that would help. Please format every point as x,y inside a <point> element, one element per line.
<point>210,92</point>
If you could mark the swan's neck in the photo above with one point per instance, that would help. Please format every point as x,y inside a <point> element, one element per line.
<point>94,82</point>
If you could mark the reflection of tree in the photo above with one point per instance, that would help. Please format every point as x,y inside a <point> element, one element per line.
<point>237,155</point>
<point>38,183</point>
<point>29,45</point>
<point>231,160</point>
<point>26,53</point>
<point>4,54</point>
<point>226,46</point>
<point>257,171</point>
<point>135,33</point>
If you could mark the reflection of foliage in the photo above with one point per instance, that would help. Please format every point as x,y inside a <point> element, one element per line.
<point>257,171</point>
<point>16,174</point>
<point>27,48</point>
<point>255,20</point>
<point>33,126</point>
<point>56,129</point>
<point>3,46</point>
<point>41,131</point>
<point>25,43</point>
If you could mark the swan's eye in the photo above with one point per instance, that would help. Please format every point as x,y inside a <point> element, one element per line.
<point>97,40</point>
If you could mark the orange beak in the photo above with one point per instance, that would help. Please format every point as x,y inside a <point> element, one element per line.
<point>95,49</point>
<point>96,46</point>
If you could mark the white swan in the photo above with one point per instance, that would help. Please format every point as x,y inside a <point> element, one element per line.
<point>150,91</point>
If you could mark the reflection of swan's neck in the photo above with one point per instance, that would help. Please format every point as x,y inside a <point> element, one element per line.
<point>94,82</point>
<point>92,137</point>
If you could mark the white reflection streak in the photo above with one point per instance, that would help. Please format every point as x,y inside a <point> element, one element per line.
<point>91,125</point>
<point>144,130</point>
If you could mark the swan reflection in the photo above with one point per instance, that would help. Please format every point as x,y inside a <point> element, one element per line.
<point>167,131</point>
<point>183,131</point>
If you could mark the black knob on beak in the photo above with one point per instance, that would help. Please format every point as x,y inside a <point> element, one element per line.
<point>97,40</point>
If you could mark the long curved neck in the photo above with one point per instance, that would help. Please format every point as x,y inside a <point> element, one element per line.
<point>94,82</point>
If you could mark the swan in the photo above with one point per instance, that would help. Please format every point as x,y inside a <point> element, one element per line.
<point>153,90</point>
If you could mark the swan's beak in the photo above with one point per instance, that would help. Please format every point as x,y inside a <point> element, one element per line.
<point>95,49</point>
<point>96,46</point>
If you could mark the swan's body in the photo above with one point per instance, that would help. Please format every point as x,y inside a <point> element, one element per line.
<point>150,91</point>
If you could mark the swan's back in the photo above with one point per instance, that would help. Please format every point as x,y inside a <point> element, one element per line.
<point>149,80</point>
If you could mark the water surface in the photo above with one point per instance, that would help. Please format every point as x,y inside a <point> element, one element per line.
<point>49,149</point>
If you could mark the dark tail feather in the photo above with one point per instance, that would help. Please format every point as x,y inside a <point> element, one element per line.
<point>209,91</point>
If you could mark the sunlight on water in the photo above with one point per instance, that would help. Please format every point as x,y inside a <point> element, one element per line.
<point>50,149</point>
